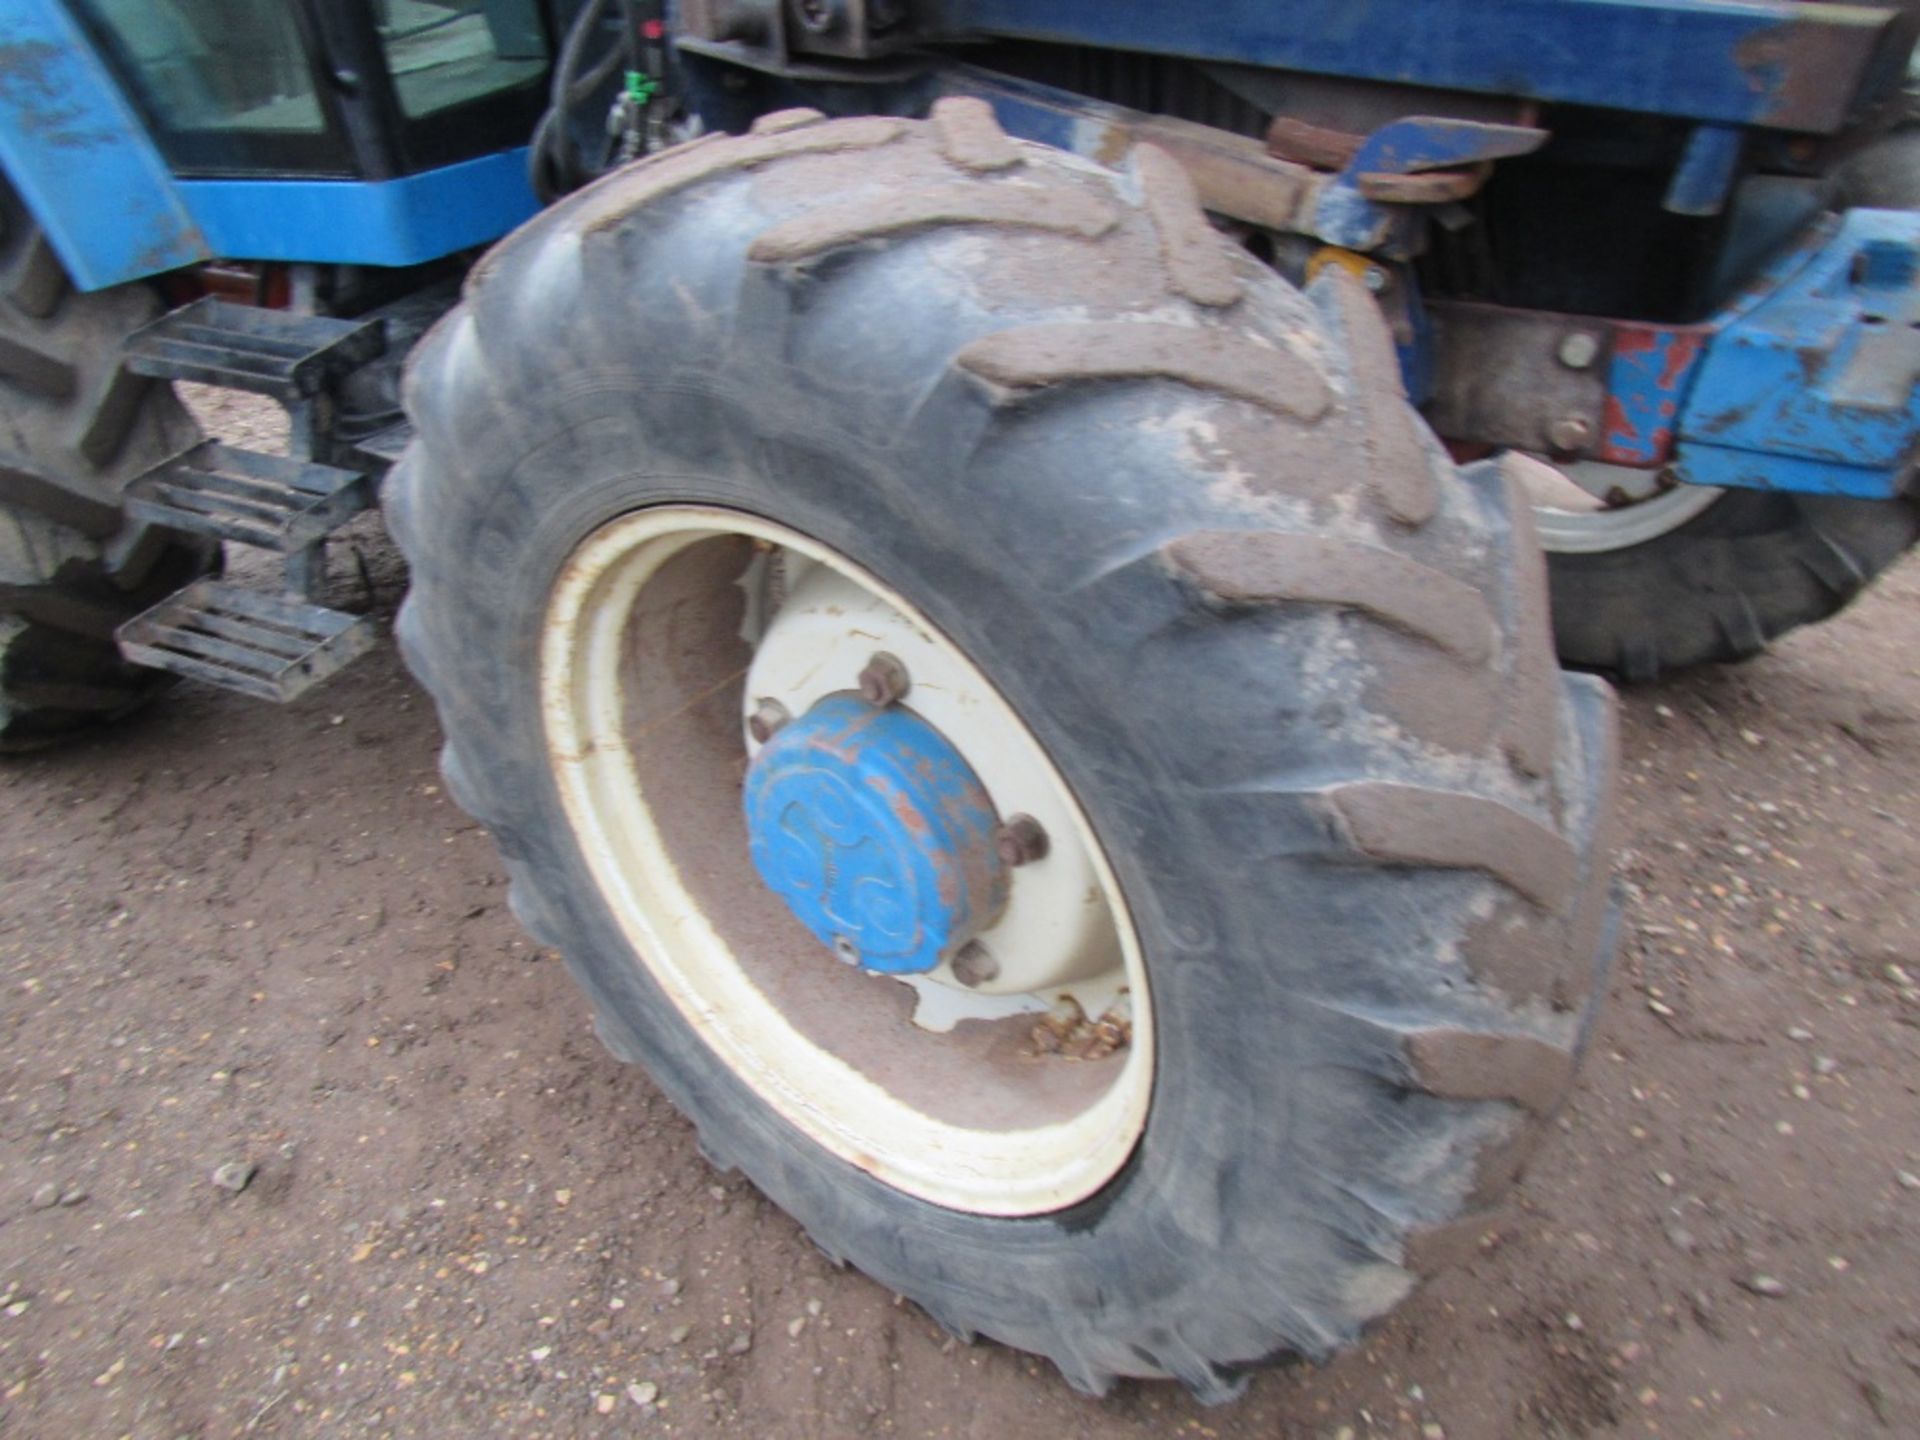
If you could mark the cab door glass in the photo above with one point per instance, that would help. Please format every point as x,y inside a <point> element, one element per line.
<point>212,65</point>
<point>443,53</point>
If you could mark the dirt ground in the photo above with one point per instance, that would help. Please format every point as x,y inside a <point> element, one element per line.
<point>234,934</point>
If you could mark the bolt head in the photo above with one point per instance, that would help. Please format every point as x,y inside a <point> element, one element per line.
<point>1374,278</point>
<point>885,681</point>
<point>974,965</point>
<point>819,16</point>
<point>765,721</point>
<point>1021,841</point>
<point>1579,350</point>
<point>1571,432</point>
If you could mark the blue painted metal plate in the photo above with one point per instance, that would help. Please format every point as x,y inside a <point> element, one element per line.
<point>80,158</point>
<point>1768,62</point>
<point>405,221</point>
<point>876,833</point>
<point>1814,387</point>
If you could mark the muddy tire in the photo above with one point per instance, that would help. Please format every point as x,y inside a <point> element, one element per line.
<point>1741,573</point>
<point>75,429</point>
<point>1296,668</point>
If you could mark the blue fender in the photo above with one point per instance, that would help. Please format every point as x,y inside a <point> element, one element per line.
<point>80,158</point>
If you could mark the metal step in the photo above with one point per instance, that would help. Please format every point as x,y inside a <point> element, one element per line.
<point>264,500</point>
<point>262,645</point>
<point>243,347</point>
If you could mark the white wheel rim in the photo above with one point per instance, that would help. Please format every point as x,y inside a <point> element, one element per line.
<point>1573,517</point>
<point>870,1088</point>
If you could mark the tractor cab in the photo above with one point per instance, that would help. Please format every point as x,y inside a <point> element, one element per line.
<point>367,91</point>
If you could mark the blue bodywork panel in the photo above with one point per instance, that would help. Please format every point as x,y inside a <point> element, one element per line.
<point>80,157</point>
<point>1707,169</point>
<point>406,221</point>
<point>1738,62</point>
<point>876,833</point>
<point>1648,378</point>
<point>1812,386</point>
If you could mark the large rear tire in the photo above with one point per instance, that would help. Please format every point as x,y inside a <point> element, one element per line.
<point>1293,669</point>
<point>75,429</point>
<point>1723,584</point>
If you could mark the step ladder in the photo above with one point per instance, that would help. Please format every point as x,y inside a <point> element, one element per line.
<point>273,645</point>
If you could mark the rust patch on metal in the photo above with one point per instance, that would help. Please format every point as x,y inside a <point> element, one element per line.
<point>1808,71</point>
<point>1066,1031</point>
<point>1227,364</point>
<point>1305,143</point>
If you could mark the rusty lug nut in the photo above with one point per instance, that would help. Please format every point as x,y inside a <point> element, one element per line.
<point>767,718</point>
<point>885,681</point>
<point>1020,841</point>
<point>974,965</point>
<point>1573,432</point>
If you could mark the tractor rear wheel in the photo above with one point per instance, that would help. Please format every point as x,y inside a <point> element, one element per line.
<point>1691,577</point>
<point>75,430</point>
<point>1010,717</point>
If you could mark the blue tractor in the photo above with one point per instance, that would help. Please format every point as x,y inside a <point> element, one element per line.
<point>983,559</point>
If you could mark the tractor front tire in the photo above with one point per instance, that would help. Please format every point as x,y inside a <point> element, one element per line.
<point>1293,666</point>
<point>75,429</point>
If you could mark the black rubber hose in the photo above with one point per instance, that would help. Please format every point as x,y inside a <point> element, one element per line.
<point>552,165</point>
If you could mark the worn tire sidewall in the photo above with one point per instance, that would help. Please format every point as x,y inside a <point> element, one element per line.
<point>1759,549</point>
<point>1224,1040</point>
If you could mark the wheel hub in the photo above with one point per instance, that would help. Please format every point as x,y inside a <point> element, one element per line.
<point>877,834</point>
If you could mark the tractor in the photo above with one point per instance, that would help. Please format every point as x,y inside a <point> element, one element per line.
<point>1025,586</point>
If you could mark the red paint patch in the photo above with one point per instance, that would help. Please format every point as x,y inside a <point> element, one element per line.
<point>1617,429</point>
<point>1683,348</point>
<point>1632,340</point>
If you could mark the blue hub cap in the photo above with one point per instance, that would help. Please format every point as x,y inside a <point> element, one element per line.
<point>877,834</point>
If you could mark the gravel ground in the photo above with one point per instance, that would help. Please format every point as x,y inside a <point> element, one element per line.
<point>257,938</point>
